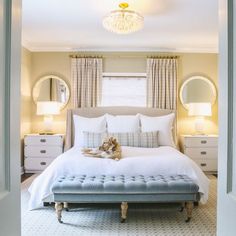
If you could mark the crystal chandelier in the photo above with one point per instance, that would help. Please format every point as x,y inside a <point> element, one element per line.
<point>123,21</point>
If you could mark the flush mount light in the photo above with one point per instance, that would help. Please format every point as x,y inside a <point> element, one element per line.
<point>123,21</point>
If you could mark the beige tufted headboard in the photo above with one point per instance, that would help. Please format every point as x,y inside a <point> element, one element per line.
<point>99,111</point>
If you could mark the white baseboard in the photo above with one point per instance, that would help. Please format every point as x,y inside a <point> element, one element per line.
<point>22,170</point>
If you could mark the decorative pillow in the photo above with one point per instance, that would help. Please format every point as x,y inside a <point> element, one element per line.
<point>138,139</point>
<point>122,124</point>
<point>93,140</point>
<point>81,124</point>
<point>162,124</point>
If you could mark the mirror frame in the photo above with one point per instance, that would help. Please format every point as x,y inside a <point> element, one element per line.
<point>211,84</point>
<point>41,79</point>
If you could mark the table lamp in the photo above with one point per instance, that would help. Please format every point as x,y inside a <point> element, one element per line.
<point>199,110</point>
<point>48,109</point>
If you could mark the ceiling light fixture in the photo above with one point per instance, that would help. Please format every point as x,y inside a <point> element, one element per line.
<point>123,21</point>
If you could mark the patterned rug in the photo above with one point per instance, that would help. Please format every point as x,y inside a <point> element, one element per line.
<point>103,220</point>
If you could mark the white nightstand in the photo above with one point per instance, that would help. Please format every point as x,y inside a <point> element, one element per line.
<point>202,149</point>
<point>41,150</point>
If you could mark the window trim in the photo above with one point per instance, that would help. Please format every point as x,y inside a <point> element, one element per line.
<point>121,74</point>
<point>115,74</point>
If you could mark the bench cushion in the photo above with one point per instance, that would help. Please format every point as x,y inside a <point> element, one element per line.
<point>121,184</point>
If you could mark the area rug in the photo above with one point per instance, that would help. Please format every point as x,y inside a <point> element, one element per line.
<point>103,220</point>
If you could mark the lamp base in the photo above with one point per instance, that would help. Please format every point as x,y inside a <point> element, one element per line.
<point>197,134</point>
<point>46,133</point>
<point>48,123</point>
<point>199,125</point>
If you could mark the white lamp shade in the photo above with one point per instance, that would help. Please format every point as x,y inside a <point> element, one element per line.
<point>48,108</point>
<point>199,109</point>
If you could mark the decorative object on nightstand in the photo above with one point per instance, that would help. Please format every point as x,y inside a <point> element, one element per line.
<point>51,88</point>
<point>199,110</point>
<point>48,109</point>
<point>197,89</point>
<point>41,150</point>
<point>202,149</point>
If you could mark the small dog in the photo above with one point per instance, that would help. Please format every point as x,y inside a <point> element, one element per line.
<point>110,148</point>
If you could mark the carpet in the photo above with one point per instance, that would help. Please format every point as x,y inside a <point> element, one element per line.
<point>103,220</point>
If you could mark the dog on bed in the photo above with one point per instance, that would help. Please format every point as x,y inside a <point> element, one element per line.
<point>110,148</point>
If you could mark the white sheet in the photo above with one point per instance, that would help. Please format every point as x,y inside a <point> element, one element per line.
<point>135,161</point>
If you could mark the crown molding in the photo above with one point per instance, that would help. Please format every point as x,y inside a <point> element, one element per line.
<point>26,44</point>
<point>32,48</point>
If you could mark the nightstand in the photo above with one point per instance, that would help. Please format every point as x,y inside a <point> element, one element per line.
<point>41,150</point>
<point>202,149</point>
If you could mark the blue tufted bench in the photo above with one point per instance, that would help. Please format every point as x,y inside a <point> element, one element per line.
<point>124,189</point>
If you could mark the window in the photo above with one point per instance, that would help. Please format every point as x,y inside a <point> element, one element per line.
<point>124,90</point>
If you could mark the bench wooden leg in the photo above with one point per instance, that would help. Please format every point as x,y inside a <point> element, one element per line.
<point>59,207</point>
<point>182,207</point>
<point>124,208</point>
<point>66,206</point>
<point>189,210</point>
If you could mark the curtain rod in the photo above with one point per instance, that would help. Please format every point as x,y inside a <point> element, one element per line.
<point>163,57</point>
<point>84,56</point>
<point>124,56</point>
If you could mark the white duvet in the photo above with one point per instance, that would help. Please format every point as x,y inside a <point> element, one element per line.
<point>135,161</point>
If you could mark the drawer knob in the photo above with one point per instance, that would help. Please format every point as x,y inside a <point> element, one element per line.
<point>43,163</point>
<point>43,140</point>
<point>203,153</point>
<point>42,151</point>
<point>203,141</point>
<point>203,164</point>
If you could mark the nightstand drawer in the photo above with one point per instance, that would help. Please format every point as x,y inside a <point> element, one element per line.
<point>47,140</point>
<point>43,151</point>
<point>37,164</point>
<point>201,141</point>
<point>207,165</point>
<point>202,149</point>
<point>205,153</point>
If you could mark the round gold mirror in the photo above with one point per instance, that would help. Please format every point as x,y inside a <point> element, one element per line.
<point>51,88</point>
<point>197,89</point>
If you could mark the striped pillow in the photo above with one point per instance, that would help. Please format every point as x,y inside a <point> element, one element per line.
<point>137,139</point>
<point>93,140</point>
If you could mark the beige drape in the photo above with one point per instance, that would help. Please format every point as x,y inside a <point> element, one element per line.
<point>86,75</point>
<point>162,83</point>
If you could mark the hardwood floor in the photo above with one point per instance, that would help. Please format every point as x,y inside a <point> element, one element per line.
<point>25,176</point>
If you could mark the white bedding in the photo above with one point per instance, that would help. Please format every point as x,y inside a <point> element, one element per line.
<point>135,161</point>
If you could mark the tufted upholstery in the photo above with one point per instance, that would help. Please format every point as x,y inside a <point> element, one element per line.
<point>106,184</point>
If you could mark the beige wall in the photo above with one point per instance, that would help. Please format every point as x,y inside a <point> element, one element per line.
<point>58,63</point>
<point>45,63</point>
<point>198,64</point>
<point>26,86</point>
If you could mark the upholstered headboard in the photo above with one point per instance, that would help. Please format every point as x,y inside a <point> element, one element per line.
<point>99,111</point>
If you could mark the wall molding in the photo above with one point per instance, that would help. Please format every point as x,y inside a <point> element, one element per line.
<point>22,171</point>
<point>114,74</point>
<point>33,48</point>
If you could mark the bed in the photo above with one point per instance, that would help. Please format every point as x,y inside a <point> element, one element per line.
<point>162,160</point>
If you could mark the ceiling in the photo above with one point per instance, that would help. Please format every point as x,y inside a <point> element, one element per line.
<point>76,25</point>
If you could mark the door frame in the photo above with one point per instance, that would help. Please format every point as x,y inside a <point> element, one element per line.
<point>10,59</point>
<point>226,196</point>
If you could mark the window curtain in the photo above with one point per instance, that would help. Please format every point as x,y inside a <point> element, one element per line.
<point>86,78</point>
<point>162,83</point>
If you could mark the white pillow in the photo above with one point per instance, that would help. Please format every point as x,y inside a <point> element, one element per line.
<point>162,124</point>
<point>122,124</point>
<point>82,124</point>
